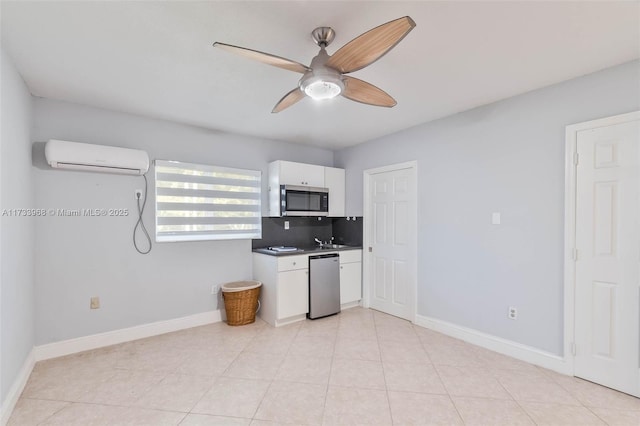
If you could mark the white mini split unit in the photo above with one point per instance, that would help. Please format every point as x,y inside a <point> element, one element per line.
<point>96,158</point>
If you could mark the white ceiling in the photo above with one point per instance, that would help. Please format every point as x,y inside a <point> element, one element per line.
<point>155,58</point>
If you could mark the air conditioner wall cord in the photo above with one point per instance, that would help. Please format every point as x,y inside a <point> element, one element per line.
<point>140,222</point>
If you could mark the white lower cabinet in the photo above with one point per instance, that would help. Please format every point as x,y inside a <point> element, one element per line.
<point>284,297</point>
<point>350,277</point>
<point>293,293</point>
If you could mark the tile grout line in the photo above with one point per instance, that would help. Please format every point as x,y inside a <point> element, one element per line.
<point>253,416</point>
<point>54,413</point>
<point>333,354</point>
<point>517,402</point>
<point>578,399</point>
<point>588,407</point>
<point>211,387</point>
<point>102,404</point>
<point>595,414</point>
<point>183,419</point>
<point>455,407</point>
<point>384,376</point>
<point>215,381</point>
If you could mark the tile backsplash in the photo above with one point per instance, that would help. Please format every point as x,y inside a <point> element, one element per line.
<point>303,230</point>
<point>349,231</point>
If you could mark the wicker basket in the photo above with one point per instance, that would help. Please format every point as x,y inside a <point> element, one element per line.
<point>241,301</point>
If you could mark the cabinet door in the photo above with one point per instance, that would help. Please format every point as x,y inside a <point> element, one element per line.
<point>350,282</point>
<point>334,180</point>
<point>293,293</point>
<point>301,174</point>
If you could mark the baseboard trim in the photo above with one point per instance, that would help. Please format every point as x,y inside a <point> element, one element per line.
<point>506,347</point>
<point>16,389</point>
<point>94,341</point>
<point>350,305</point>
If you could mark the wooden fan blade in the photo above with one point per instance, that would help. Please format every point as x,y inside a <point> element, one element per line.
<point>366,93</point>
<point>370,46</point>
<point>289,99</point>
<point>265,58</point>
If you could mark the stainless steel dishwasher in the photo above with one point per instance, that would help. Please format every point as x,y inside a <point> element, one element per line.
<point>324,285</point>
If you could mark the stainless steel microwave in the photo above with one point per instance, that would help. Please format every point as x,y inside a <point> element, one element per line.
<point>303,201</point>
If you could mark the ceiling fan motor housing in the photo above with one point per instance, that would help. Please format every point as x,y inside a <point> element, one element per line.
<point>323,36</point>
<point>322,82</point>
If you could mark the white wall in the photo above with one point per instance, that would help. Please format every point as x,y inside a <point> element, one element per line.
<point>505,157</point>
<point>16,235</point>
<point>80,257</point>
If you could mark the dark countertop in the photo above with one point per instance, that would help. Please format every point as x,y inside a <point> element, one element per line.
<point>304,250</point>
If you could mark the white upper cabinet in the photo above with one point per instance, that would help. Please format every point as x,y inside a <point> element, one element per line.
<point>334,180</point>
<point>290,173</point>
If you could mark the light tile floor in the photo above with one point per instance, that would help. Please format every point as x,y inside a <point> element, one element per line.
<point>360,367</point>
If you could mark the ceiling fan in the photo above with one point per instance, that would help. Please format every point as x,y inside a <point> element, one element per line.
<point>325,78</point>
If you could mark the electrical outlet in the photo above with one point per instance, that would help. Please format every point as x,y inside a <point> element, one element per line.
<point>138,194</point>
<point>513,313</point>
<point>286,224</point>
<point>215,289</point>
<point>95,303</point>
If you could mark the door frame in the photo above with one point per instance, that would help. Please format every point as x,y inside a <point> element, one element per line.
<point>571,160</point>
<point>368,234</point>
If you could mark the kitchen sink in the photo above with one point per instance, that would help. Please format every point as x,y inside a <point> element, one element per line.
<point>333,246</point>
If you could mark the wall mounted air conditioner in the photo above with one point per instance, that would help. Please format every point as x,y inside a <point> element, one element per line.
<point>95,158</point>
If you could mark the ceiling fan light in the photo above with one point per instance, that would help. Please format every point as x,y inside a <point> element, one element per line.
<point>321,89</point>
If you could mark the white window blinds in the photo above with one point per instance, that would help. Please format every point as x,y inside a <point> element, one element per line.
<point>199,202</point>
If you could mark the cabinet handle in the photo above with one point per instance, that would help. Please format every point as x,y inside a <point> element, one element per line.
<point>342,267</point>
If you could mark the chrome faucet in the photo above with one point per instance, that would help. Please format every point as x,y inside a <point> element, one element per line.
<point>326,243</point>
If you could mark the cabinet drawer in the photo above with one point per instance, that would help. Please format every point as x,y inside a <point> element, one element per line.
<point>350,256</point>
<point>291,263</point>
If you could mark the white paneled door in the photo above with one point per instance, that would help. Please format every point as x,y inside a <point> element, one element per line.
<point>607,296</point>
<point>391,242</point>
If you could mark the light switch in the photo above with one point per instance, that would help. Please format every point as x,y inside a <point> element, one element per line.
<point>495,219</point>
<point>286,224</point>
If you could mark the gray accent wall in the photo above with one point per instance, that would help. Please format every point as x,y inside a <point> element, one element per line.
<point>81,257</point>
<point>16,232</point>
<point>505,157</point>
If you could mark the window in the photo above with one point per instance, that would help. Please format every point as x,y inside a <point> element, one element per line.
<point>197,202</point>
